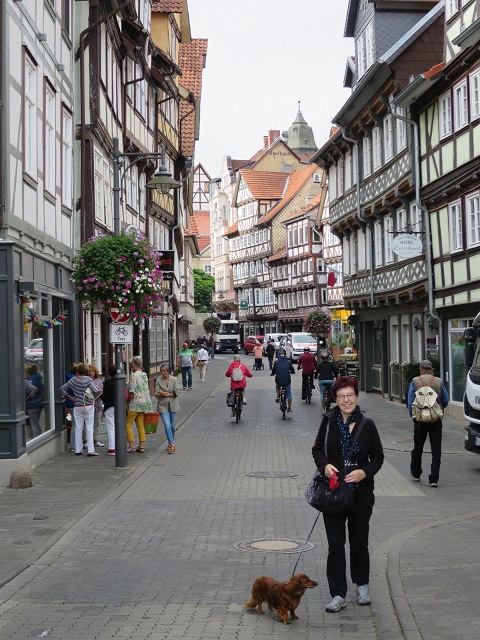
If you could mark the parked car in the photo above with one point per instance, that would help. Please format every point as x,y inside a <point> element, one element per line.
<point>34,351</point>
<point>279,340</point>
<point>296,343</point>
<point>250,342</point>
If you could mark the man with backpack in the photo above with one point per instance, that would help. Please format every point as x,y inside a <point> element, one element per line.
<point>427,398</point>
<point>238,374</point>
<point>282,370</point>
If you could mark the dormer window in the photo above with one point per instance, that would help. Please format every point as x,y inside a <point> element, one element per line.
<point>365,50</point>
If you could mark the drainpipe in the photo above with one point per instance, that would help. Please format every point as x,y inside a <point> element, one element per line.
<point>2,115</point>
<point>360,217</point>
<point>81,56</point>
<point>424,210</point>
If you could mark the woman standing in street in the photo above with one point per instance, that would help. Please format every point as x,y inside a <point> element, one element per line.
<point>83,410</point>
<point>330,451</point>
<point>258,355</point>
<point>166,388</point>
<point>97,416</point>
<point>138,403</point>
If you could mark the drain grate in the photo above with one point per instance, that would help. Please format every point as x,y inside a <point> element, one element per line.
<point>274,545</point>
<point>44,532</point>
<point>271,474</point>
<point>22,542</point>
<point>41,518</point>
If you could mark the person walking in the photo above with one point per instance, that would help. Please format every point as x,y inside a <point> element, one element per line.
<point>97,416</point>
<point>138,403</point>
<point>108,397</point>
<point>282,370</point>
<point>238,384</point>
<point>307,363</point>
<point>34,397</point>
<point>185,362</point>
<point>202,358</point>
<point>422,429</point>
<point>270,351</point>
<point>76,389</point>
<point>331,448</point>
<point>258,355</point>
<point>166,387</point>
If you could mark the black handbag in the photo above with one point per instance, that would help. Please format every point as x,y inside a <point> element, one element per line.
<point>333,501</point>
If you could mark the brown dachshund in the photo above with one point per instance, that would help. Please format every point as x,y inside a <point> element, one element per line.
<point>280,597</point>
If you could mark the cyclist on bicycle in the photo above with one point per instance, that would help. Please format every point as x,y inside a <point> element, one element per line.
<point>326,372</point>
<point>242,383</point>
<point>307,363</point>
<point>282,369</point>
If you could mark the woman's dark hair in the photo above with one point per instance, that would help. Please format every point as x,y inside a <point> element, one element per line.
<point>112,370</point>
<point>342,383</point>
<point>82,369</point>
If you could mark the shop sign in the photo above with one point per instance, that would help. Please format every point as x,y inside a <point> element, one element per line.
<point>407,245</point>
<point>243,305</point>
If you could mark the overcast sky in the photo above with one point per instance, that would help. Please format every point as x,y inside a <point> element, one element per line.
<point>264,56</point>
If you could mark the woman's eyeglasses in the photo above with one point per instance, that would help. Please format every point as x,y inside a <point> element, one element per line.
<point>347,396</point>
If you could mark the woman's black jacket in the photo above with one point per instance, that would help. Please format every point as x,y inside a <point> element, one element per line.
<point>370,455</point>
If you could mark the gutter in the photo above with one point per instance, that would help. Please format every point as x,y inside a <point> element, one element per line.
<point>424,210</point>
<point>3,93</point>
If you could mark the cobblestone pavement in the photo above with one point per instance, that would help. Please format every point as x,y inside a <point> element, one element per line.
<point>92,552</point>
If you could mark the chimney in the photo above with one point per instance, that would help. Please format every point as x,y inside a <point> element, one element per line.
<point>272,136</point>
<point>265,142</point>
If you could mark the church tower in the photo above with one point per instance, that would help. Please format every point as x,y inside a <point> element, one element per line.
<point>299,136</point>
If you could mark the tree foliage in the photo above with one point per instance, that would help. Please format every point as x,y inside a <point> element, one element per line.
<point>204,286</point>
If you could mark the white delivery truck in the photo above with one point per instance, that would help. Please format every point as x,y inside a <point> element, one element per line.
<point>228,336</point>
<point>471,397</point>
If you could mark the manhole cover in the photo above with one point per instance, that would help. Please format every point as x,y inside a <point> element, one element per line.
<point>22,542</point>
<point>41,518</point>
<point>274,545</point>
<point>271,474</point>
<point>44,532</point>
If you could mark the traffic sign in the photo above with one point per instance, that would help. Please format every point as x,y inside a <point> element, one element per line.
<point>118,316</point>
<point>243,305</point>
<point>121,333</point>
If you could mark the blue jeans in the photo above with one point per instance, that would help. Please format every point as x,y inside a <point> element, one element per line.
<point>323,384</point>
<point>187,371</point>
<point>169,420</point>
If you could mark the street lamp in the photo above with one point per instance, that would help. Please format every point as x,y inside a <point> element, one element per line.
<point>164,182</point>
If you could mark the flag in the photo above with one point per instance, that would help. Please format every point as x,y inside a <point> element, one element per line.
<point>331,279</point>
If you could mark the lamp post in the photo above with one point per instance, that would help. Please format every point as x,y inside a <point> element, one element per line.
<point>164,182</point>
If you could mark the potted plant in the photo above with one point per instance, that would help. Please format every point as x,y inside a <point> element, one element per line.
<point>122,271</point>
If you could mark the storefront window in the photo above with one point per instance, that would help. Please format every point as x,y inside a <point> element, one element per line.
<point>457,368</point>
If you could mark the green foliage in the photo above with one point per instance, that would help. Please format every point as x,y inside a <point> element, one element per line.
<point>204,286</point>
<point>121,270</point>
<point>319,323</point>
<point>211,324</point>
<point>411,369</point>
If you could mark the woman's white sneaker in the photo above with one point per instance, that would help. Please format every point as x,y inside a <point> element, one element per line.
<point>363,597</point>
<point>336,604</point>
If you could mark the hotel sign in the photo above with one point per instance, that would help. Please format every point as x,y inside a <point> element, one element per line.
<point>407,245</point>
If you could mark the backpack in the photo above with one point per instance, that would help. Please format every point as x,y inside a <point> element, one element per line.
<point>237,374</point>
<point>426,407</point>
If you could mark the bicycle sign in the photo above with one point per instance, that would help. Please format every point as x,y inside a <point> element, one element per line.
<point>121,333</point>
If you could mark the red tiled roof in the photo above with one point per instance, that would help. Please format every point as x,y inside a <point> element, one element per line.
<point>192,62</point>
<point>434,70</point>
<point>308,207</point>
<point>296,181</point>
<point>280,254</point>
<point>167,6</point>
<point>200,226</point>
<point>265,185</point>
<point>231,230</point>
<point>238,164</point>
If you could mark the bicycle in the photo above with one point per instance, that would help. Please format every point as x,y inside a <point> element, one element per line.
<point>308,390</point>
<point>283,400</point>
<point>238,404</point>
<point>327,398</point>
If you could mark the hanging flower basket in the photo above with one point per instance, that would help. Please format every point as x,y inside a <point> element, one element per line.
<point>211,324</point>
<point>319,323</point>
<point>122,271</point>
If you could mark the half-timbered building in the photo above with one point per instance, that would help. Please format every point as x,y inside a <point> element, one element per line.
<point>201,188</point>
<point>445,101</point>
<point>372,185</point>
<point>37,223</point>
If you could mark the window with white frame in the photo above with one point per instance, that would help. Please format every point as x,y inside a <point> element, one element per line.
<point>142,196</point>
<point>378,244</point>
<point>98,185</point>
<point>401,221</point>
<point>473,218</point>
<point>475,95</point>
<point>401,130</point>
<point>388,137</point>
<point>451,7</point>
<point>360,54</point>
<point>367,157</point>
<point>219,247</point>
<point>377,147</point>
<point>49,135</point>
<point>388,235</point>
<point>144,12</point>
<point>220,283</point>
<point>369,46</point>
<point>332,183</point>
<point>67,17</point>
<point>348,170</point>
<point>445,115</point>
<point>340,168</point>
<point>353,254</point>
<point>30,140</point>
<point>455,226</point>
<point>67,157</point>
<point>460,105</point>
<point>416,218</point>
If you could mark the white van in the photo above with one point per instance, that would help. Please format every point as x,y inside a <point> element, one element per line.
<point>296,343</point>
